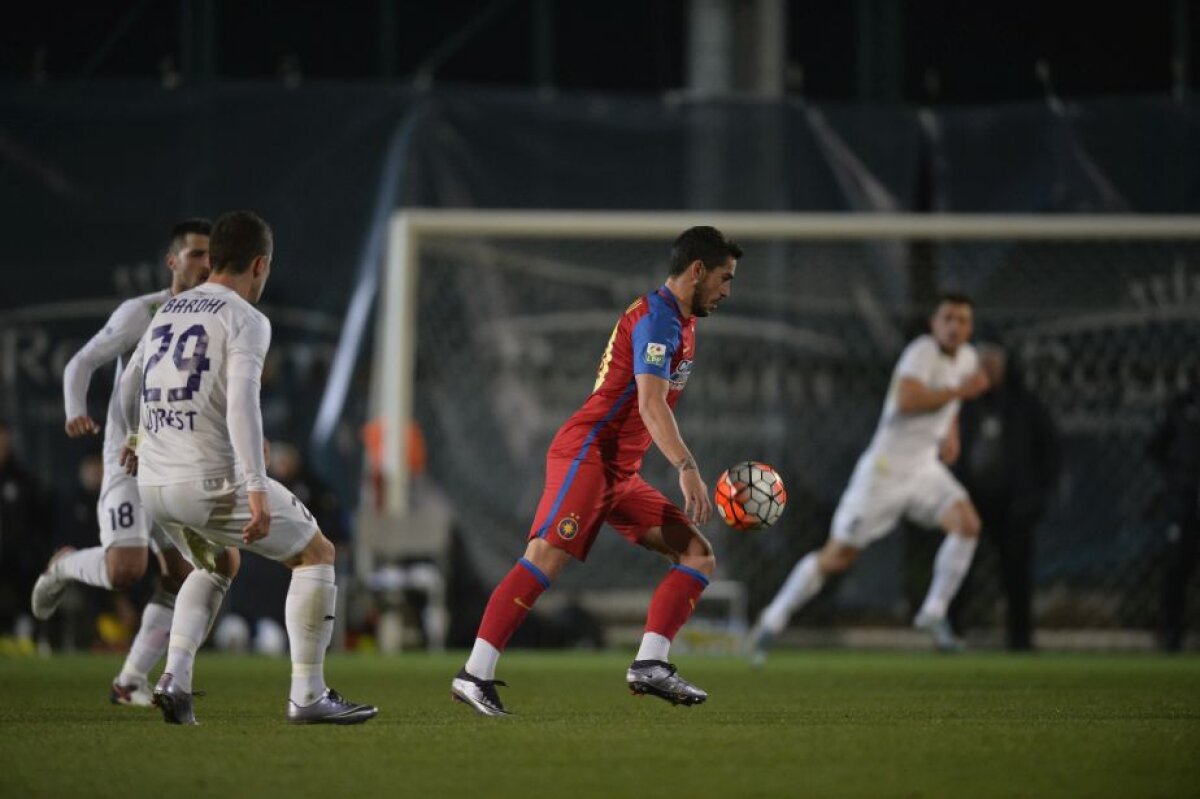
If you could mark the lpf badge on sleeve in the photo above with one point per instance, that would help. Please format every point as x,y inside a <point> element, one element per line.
<point>656,354</point>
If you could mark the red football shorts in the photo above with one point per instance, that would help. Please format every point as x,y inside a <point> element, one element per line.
<point>578,499</point>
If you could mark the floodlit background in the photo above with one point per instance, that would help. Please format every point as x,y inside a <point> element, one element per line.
<point>117,119</point>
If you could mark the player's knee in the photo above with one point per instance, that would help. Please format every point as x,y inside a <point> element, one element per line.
<point>169,584</point>
<point>229,562</point>
<point>327,551</point>
<point>126,565</point>
<point>549,559</point>
<point>706,564</point>
<point>969,524</point>
<point>319,552</point>
<point>176,571</point>
<point>697,553</point>
<point>124,575</point>
<point>836,559</point>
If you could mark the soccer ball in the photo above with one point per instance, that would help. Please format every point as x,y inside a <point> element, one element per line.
<point>750,496</point>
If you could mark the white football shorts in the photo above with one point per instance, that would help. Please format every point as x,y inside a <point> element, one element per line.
<point>876,500</point>
<point>123,521</point>
<point>205,517</point>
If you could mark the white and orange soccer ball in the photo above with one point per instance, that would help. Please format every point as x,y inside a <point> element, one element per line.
<point>750,496</point>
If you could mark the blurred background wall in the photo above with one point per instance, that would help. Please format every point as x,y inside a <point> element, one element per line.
<point>116,119</point>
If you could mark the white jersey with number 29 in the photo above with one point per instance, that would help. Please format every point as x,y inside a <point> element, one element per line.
<point>197,342</point>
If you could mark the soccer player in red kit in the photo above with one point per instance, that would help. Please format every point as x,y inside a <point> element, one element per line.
<point>592,477</point>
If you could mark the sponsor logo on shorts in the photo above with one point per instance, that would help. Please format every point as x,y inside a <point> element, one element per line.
<point>568,526</point>
<point>656,354</point>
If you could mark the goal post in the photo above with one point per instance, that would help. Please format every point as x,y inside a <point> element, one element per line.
<point>490,324</point>
<point>394,361</point>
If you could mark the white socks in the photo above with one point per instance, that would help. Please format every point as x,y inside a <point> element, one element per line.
<point>150,643</point>
<point>482,662</point>
<point>802,584</point>
<point>949,568</point>
<point>309,615</point>
<point>654,647</point>
<point>84,566</point>
<point>195,608</point>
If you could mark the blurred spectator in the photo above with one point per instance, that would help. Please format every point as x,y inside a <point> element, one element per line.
<point>1175,446</point>
<point>78,528</point>
<point>24,540</point>
<point>1010,463</point>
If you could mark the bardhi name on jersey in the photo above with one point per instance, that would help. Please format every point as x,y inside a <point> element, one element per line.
<point>196,342</point>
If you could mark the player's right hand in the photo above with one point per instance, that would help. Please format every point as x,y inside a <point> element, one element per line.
<point>260,518</point>
<point>81,426</point>
<point>697,503</point>
<point>974,385</point>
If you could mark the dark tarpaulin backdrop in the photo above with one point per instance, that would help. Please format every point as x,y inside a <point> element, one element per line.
<point>93,175</point>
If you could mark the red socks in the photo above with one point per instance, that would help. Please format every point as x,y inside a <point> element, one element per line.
<point>671,607</point>
<point>511,602</point>
<point>674,600</point>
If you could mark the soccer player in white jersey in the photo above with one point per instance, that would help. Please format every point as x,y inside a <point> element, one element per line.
<point>203,478</point>
<point>904,473</point>
<point>125,531</point>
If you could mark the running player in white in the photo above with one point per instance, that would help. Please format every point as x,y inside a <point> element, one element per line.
<point>126,533</point>
<point>904,473</point>
<point>203,478</point>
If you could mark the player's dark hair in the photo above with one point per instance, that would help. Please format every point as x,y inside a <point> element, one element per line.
<point>705,244</point>
<point>198,225</point>
<point>953,298</point>
<point>238,237</point>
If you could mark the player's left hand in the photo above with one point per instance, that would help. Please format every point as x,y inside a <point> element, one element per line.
<point>260,518</point>
<point>129,460</point>
<point>697,504</point>
<point>82,426</point>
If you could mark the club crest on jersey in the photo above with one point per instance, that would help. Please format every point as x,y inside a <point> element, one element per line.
<point>656,354</point>
<point>568,526</point>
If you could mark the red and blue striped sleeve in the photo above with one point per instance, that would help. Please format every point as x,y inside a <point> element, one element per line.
<point>655,339</point>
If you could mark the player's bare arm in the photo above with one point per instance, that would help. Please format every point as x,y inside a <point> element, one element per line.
<point>664,430</point>
<point>129,396</point>
<point>951,445</point>
<point>913,396</point>
<point>120,333</point>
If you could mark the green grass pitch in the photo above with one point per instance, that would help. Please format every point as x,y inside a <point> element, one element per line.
<point>811,724</point>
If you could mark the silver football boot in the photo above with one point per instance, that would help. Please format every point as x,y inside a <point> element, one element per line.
<point>331,708</point>
<point>49,588</point>
<point>479,694</point>
<point>657,678</point>
<point>943,634</point>
<point>174,702</point>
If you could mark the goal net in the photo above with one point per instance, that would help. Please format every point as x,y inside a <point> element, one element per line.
<point>493,323</point>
